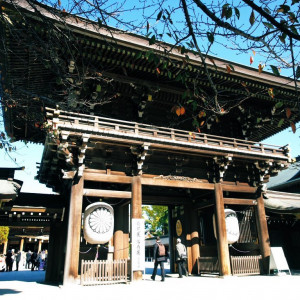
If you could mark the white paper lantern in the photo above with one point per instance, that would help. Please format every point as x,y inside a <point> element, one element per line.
<point>232,226</point>
<point>98,226</point>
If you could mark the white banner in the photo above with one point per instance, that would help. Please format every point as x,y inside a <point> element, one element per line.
<point>138,244</point>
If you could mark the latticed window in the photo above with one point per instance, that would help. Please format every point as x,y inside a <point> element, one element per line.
<point>247,225</point>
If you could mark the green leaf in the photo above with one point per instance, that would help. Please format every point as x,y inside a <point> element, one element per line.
<point>194,105</point>
<point>159,15</point>
<point>275,70</point>
<point>269,25</point>
<point>295,1</point>
<point>195,122</point>
<point>252,18</point>
<point>231,67</point>
<point>99,22</point>
<point>228,13</point>
<point>298,72</point>
<point>280,123</point>
<point>148,26</point>
<point>282,38</point>
<point>278,104</point>
<point>183,50</point>
<point>139,55</point>
<point>267,10</point>
<point>152,40</point>
<point>237,12</point>
<point>210,37</point>
<point>294,30</point>
<point>258,120</point>
<point>284,8</point>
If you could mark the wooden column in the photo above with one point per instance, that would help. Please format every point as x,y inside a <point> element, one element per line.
<point>56,252</point>
<point>118,234</point>
<point>222,244</point>
<point>5,247</point>
<point>39,245</point>
<point>194,239</point>
<point>136,213</point>
<point>21,245</point>
<point>73,236</point>
<point>126,231</point>
<point>263,234</point>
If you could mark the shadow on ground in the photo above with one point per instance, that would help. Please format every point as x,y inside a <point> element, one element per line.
<point>8,292</point>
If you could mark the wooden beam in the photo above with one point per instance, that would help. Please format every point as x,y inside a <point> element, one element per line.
<point>107,193</point>
<point>238,201</point>
<point>177,183</point>
<point>223,251</point>
<point>204,205</point>
<point>239,188</point>
<point>107,178</point>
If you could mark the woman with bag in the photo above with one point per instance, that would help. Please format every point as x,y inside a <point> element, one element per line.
<point>181,257</point>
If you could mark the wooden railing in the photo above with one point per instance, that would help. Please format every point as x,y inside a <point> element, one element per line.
<point>245,265</point>
<point>208,265</point>
<point>95,124</point>
<point>95,272</point>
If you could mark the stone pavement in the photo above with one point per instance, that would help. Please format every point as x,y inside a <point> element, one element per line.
<point>30,285</point>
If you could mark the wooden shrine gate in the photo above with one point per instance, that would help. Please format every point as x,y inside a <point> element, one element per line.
<point>110,157</point>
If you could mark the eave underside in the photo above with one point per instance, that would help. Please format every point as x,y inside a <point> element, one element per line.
<point>115,80</point>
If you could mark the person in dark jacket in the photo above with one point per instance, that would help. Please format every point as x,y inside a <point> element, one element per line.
<point>33,260</point>
<point>158,260</point>
<point>9,259</point>
<point>18,259</point>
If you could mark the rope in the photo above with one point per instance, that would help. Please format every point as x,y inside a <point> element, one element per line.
<point>239,250</point>
<point>86,251</point>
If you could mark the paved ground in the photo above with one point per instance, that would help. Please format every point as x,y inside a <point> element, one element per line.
<point>30,285</point>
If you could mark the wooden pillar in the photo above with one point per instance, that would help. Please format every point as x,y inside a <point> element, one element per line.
<point>222,244</point>
<point>126,231</point>
<point>195,247</point>
<point>56,255</point>
<point>21,244</point>
<point>73,236</point>
<point>5,247</point>
<point>39,245</point>
<point>118,234</point>
<point>263,234</point>
<point>136,213</point>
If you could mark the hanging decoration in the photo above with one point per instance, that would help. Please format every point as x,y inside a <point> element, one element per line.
<point>232,226</point>
<point>98,226</point>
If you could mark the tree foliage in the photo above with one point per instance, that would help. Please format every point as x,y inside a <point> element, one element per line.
<point>265,32</point>
<point>4,232</point>
<point>156,219</point>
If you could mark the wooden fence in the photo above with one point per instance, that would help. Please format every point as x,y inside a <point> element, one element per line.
<point>208,265</point>
<point>95,272</point>
<point>245,265</point>
<point>240,265</point>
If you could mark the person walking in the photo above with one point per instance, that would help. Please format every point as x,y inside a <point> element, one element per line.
<point>18,259</point>
<point>9,260</point>
<point>181,257</point>
<point>159,259</point>
<point>33,260</point>
<point>28,260</point>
